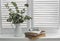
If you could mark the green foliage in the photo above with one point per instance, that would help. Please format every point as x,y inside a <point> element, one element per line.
<point>17,17</point>
<point>26,5</point>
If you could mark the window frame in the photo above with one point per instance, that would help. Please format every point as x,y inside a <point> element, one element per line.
<point>30,12</point>
<point>0,18</point>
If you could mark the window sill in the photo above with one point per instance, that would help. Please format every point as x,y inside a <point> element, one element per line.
<point>10,36</point>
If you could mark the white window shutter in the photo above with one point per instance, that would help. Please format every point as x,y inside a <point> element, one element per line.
<point>5,13</point>
<point>46,13</point>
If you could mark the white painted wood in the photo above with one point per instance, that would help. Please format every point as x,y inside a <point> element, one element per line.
<point>0,19</point>
<point>30,13</point>
<point>46,13</point>
<point>5,13</point>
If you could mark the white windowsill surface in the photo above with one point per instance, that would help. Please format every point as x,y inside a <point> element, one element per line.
<point>54,35</point>
<point>12,36</point>
<point>48,38</point>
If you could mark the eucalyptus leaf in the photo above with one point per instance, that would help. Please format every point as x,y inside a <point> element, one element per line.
<point>26,5</point>
<point>17,17</point>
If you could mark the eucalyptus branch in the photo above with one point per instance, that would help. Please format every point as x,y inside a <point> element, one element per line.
<point>17,18</point>
<point>16,7</point>
<point>9,9</point>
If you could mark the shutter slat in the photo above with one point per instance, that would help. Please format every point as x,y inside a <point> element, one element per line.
<point>46,13</point>
<point>5,12</point>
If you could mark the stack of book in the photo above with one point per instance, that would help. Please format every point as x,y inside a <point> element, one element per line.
<point>34,34</point>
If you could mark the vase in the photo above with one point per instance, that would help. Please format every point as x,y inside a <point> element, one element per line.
<point>18,31</point>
